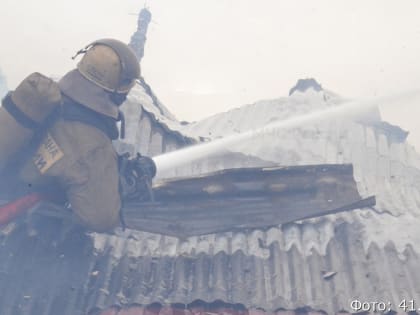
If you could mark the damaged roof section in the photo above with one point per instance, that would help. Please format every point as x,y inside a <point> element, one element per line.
<point>246,198</point>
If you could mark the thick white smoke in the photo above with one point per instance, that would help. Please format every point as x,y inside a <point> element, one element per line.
<point>168,161</point>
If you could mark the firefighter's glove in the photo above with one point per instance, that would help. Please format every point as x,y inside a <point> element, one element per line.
<point>136,176</point>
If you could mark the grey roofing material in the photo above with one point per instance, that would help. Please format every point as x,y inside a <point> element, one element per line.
<point>377,251</point>
<point>52,274</point>
<point>150,129</point>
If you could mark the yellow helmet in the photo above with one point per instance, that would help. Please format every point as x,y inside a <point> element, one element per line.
<point>107,65</point>
<point>110,64</point>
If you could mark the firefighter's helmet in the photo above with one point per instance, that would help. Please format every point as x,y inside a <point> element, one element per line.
<point>110,64</point>
<point>107,65</point>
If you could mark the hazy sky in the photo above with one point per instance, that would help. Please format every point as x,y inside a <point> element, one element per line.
<point>207,56</point>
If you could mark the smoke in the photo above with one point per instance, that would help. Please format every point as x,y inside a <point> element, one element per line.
<point>168,161</point>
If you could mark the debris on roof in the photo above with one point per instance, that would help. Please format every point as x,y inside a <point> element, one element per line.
<point>246,199</point>
<point>303,84</point>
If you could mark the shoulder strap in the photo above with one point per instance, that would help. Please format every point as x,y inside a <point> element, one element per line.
<point>17,114</point>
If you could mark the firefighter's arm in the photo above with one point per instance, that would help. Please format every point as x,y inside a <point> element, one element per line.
<point>92,189</point>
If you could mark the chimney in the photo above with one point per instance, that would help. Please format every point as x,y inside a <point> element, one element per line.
<point>138,40</point>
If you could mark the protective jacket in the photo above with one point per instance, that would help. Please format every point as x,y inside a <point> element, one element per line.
<point>73,152</point>
<point>67,130</point>
<point>76,153</point>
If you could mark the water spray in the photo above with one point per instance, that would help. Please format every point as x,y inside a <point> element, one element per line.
<point>169,161</point>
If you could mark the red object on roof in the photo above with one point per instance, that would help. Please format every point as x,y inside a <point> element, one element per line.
<point>12,210</point>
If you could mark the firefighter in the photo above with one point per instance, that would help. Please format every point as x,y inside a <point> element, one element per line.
<point>79,121</point>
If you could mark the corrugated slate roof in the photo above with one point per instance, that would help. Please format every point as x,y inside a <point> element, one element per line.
<point>58,272</point>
